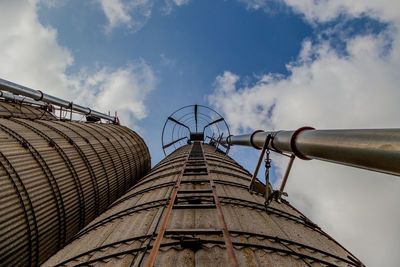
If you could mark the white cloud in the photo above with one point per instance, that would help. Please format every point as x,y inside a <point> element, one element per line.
<point>180,2</point>
<point>132,14</point>
<point>123,89</point>
<point>326,10</point>
<point>115,13</point>
<point>31,55</point>
<point>325,89</point>
<point>170,4</point>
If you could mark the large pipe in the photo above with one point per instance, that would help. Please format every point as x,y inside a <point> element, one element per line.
<point>40,96</point>
<point>372,149</point>
<point>17,98</point>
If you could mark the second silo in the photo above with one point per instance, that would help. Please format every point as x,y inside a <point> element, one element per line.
<point>57,176</point>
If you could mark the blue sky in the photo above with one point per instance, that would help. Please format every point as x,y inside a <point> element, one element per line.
<point>278,64</point>
<point>189,46</point>
<point>186,49</point>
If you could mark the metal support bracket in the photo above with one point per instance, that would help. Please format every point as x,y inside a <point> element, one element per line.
<point>265,147</point>
<point>277,194</point>
<point>289,167</point>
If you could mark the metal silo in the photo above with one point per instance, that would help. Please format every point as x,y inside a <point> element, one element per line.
<point>195,209</point>
<point>57,175</point>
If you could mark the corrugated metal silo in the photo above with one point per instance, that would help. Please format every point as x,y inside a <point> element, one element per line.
<point>194,209</point>
<point>57,176</point>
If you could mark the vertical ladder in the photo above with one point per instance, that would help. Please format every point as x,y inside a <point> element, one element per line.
<point>194,171</point>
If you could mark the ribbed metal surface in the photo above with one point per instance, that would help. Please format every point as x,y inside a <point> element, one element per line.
<point>9,109</point>
<point>198,206</point>
<point>56,177</point>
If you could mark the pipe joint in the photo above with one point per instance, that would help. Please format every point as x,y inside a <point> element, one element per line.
<point>252,141</point>
<point>228,139</point>
<point>41,96</point>
<point>293,145</point>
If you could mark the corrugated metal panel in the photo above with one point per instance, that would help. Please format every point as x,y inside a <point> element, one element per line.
<point>127,233</point>
<point>56,177</point>
<point>15,110</point>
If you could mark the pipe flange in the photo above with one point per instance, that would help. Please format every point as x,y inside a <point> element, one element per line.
<point>41,96</point>
<point>228,141</point>
<point>272,141</point>
<point>293,146</point>
<point>251,139</point>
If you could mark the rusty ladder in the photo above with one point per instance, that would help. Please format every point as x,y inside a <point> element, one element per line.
<point>195,165</point>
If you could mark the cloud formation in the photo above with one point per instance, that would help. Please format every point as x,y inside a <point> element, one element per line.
<point>132,14</point>
<point>123,89</point>
<point>327,88</point>
<point>32,56</point>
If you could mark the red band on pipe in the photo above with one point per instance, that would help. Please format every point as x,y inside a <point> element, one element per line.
<point>41,96</point>
<point>293,146</point>
<point>251,139</point>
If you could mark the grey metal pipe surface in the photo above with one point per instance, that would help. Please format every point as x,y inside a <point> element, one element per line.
<point>12,97</point>
<point>372,149</point>
<point>40,96</point>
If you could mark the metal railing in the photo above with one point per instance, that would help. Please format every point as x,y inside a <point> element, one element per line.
<point>38,97</point>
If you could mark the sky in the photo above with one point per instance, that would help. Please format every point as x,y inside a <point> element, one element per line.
<point>272,65</point>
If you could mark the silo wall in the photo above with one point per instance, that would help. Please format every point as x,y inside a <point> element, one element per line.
<point>56,177</point>
<point>194,209</point>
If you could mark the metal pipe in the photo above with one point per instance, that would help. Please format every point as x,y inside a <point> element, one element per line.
<point>372,149</point>
<point>17,98</point>
<point>38,95</point>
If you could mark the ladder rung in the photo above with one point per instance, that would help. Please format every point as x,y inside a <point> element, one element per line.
<point>195,170</point>
<point>195,163</point>
<point>195,181</point>
<point>198,191</point>
<point>195,174</point>
<point>194,206</point>
<point>193,231</point>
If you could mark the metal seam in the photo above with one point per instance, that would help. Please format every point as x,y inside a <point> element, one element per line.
<point>82,205</point>
<point>117,192</point>
<point>100,159</point>
<point>119,182</point>
<point>128,158</point>
<point>116,138</point>
<point>167,184</point>
<point>88,165</point>
<point>23,207</point>
<point>143,150</point>
<point>39,160</point>
<point>59,151</point>
<point>120,214</point>
<point>103,247</point>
